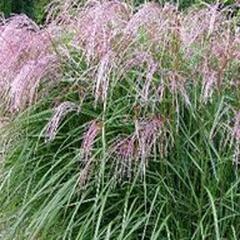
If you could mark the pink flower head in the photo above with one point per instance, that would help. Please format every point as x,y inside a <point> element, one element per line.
<point>197,24</point>
<point>153,20</point>
<point>24,85</point>
<point>97,24</point>
<point>25,59</point>
<point>102,77</point>
<point>89,138</point>
<point>209,82</point>
<point>125,148</point>
<point>136,148</point>
<point>147,132</point>
<point>125,151</point>
<point>177,85</point>
<point>236,137</point>
<point>236,128</point>
<point>59,113</point>
<point>13,50</point>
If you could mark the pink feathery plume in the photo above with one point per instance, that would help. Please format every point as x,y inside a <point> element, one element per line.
<point>236,47</point>
<point>102,77</point>
<point>226,47</point>
<point>198,24</point>
<point>147,131</point>
<point>64,8</point>
<point>125,151</point>
<point>59,114</point>
<point>89,138</point>
<point>24,85</point>
<point>221,43</point>
<point>236,137</point>
<point>209,82</point>
<point>153,20</point>
<point>176,84</point>
<point>97,25</point>
<point>14,50</point>
<point>25,59</point>
<point>236,128</point>
<point>147,14</point>
<point>134,150</point>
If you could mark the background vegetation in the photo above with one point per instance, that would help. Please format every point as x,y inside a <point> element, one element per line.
<point>33,8</point>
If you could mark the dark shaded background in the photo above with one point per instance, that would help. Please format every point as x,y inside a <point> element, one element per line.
<point>33,8</point>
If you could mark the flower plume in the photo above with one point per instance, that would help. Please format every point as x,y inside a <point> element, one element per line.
<point>89,138</point>
<point>236,137</point>
<point>25,59</point>
<point>134,150</point>
<point>60,112</point>
<point>97,25</point>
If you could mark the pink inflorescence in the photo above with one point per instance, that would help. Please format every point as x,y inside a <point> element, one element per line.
<point>60,112</point>
<point>25,59</point>
<point>97,25</point>
<point>147,131</point>
<point>89,137</point>
<point>236,128</point>
<point>137,148</point>
<point>94,128</point>
<point>236,137</point>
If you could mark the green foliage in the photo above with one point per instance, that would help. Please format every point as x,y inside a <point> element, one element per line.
<point>17,6</point>
<point>6,6</point>
<point>39,10</point>
<point>33,8</point>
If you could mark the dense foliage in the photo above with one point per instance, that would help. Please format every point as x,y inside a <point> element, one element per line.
<point>33,8</point>
<point>120,123</point>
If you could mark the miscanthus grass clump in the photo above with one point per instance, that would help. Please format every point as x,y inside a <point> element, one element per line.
<point>120,123</point>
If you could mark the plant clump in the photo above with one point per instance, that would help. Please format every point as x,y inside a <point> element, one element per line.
<point>123,123</point>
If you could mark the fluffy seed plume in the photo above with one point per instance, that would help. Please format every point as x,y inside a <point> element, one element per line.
<point>236,128</point>
<point>89,138</point>
<point>236,137</point>
<point>197,24</point>
<point>60,112</point>
<point>134,150</point>
<point>176,84</point>
<point>102,77</point>
<point>13,50</point>
<point>97,25</point>
<point>125,151</point>
<point>152,20</point>
<point>209,83</point>
<point>25,59</point>
<point>24,85</point>
<point>147,131</point>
